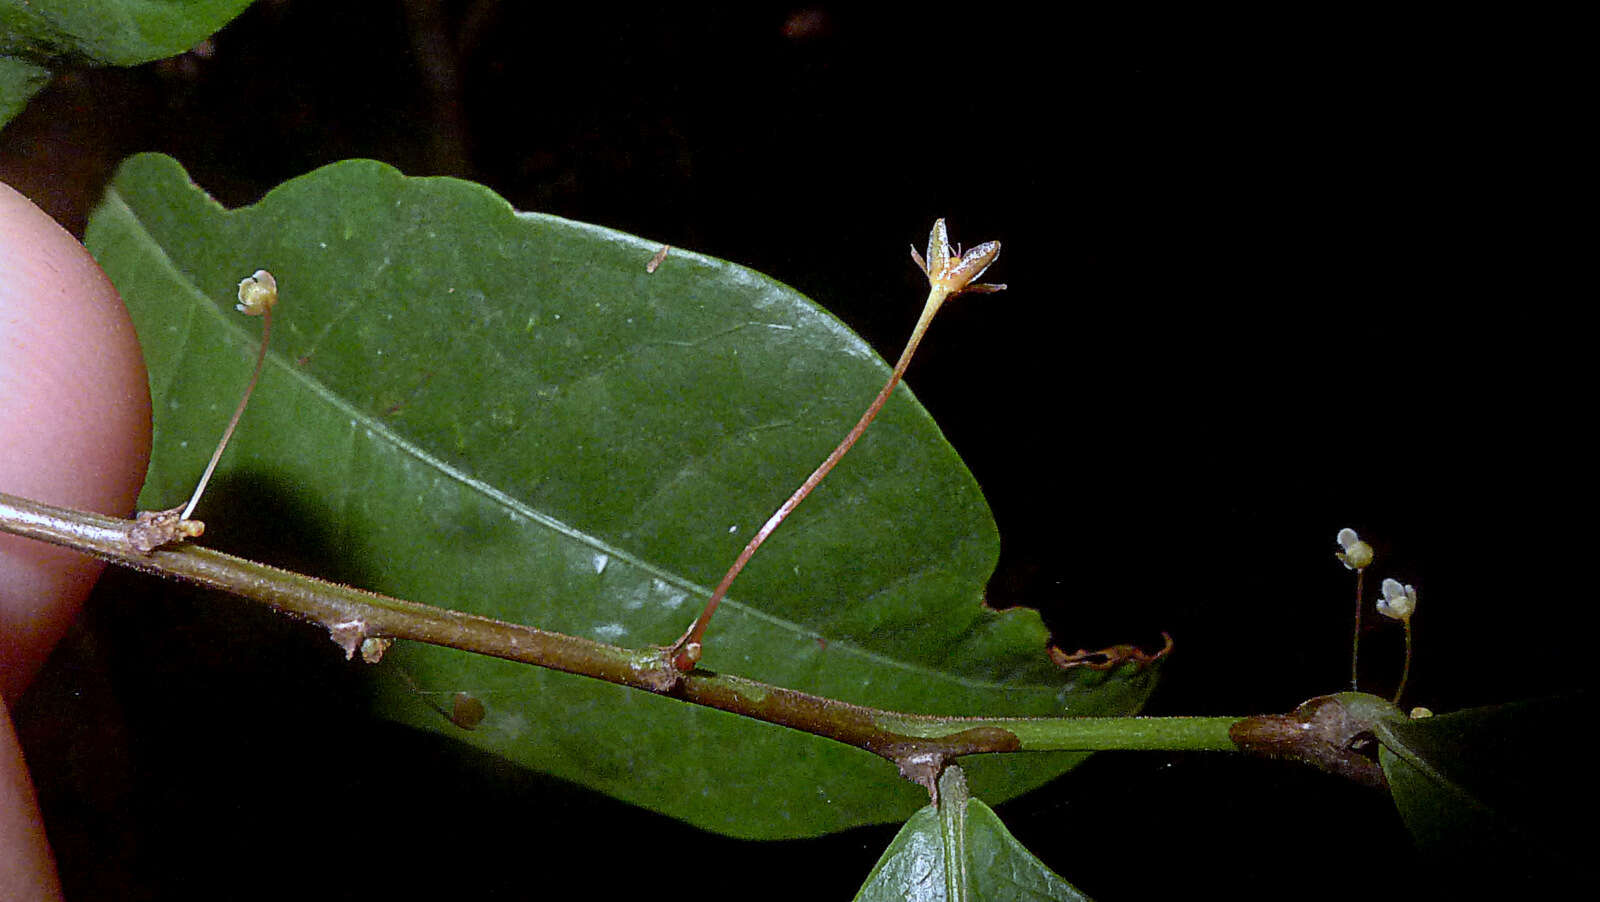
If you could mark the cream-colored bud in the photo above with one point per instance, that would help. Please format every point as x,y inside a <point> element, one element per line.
<point>1398,600</point>
<point>1357,555</point>
<point>257,293</point>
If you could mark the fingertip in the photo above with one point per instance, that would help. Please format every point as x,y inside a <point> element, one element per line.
<point>74,420</point>
<point>27,869</point>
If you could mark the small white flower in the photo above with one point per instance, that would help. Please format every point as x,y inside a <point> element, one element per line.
<point>1356,554</point>
<point>1398,600</point>
<point>257,293</point>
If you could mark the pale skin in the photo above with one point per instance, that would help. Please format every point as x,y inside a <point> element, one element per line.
<point>74,431</point>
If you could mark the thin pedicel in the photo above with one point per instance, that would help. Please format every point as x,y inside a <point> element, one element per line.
<point>949,273</point>
<point>258,294</point>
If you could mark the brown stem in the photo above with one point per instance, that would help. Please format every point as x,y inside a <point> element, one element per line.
<point>255,376</point>
<point>1355,642</point>
<point>1326,732</point>
<point>919,744</point>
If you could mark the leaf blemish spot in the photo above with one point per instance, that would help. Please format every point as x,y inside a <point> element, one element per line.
<point>466,711</point>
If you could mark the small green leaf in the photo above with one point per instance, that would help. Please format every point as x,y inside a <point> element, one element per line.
<point>19,81</point>
<point>1492,790</point>
<point>39,35</point>
<point>960,851</point>
<point>507,413</point>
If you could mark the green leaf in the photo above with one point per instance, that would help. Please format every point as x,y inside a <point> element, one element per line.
<point>506,413</point>
<point>19,81</point>
<point>39,35</point>
<point>1492,790</point>
<point>109,32</point>
<point>960,851</point>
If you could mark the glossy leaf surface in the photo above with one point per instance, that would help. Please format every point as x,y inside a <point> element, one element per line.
<point>506,413</point>
<point>37,35</point>
<point>19,81</point>
<point>997,866</point>
<point>1490,790</point>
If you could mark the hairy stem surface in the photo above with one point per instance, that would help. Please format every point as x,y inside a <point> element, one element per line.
<point>919,744</point>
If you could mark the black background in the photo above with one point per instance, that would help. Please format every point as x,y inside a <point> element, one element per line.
<point>1268,278</point>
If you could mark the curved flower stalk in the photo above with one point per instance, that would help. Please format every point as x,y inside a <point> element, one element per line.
<point>1357,555</point>
<point>258,294</point>
<point>1399,601</point>
<point>949,273</point>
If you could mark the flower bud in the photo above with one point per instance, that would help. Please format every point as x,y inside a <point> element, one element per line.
<point>1356,554</point>
<point>1398,600</point>
<point>953,272</point>
<point>257,293</point>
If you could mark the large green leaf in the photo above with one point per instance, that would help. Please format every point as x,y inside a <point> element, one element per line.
<point>506,413</point>
<point>38,35</point>
<point>1492,791</point>
<point>959,851</point>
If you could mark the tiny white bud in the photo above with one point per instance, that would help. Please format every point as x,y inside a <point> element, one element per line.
<point>1420,712</point>
<point>1357,554</point>
<point>1398,600</point>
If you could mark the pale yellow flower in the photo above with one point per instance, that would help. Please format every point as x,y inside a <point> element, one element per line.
<point>257,293</point>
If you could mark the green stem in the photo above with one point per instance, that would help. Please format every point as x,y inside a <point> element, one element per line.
<point>1085,734</point>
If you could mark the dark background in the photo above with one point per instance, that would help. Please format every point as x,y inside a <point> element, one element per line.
<point>1267,279</point>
